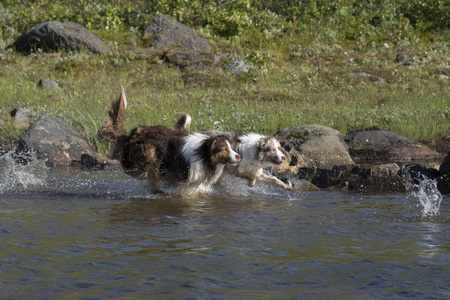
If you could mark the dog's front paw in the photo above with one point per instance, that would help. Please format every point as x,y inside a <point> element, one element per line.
<point>288,186</point>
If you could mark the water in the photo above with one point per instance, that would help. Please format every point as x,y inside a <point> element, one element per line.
<point>68,233</point>
<point>430,198</point>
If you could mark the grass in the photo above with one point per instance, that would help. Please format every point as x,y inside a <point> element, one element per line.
<point>298,80</point>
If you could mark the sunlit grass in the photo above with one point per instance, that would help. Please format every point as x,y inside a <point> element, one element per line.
<point>290,86</point>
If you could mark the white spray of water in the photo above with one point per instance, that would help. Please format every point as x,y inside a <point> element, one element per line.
<point>14,175</point>
<point>429,196</point>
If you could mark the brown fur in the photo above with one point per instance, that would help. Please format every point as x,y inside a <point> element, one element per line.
<point>155,152</point>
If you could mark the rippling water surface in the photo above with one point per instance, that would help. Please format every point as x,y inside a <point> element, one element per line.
<point>67,233</point>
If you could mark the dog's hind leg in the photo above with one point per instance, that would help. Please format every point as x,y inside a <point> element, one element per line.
<point>153,178</point>
<point>152,168</point>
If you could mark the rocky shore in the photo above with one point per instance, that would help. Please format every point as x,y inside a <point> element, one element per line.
<point>318,157</point>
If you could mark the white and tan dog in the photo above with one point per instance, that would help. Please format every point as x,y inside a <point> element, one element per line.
<point>257,152</point>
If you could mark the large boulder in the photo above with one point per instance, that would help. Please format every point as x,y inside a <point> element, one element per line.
<point>54,36</point>
<point>166,33</point>
<point>58,143</point>
<point>386,146</point>
<point>314,146</point>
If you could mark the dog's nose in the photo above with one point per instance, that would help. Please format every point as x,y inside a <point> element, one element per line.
<point>238,157</point>
<point>283,157</point>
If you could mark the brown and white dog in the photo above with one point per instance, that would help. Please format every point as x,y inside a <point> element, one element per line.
<point>257,152</point>
<point>190,162</point>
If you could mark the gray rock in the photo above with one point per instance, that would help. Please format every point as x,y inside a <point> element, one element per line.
<point>303,185</point>
<point>54,36</point>
<point>314,146</point>
<point>239,66</point>
<point>50,84</point>
<point>386,146</point>
<point>22,117</point>
<point>167,34</point>
<point>55,141</point>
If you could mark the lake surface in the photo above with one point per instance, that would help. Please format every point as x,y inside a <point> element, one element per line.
<point>68,233</point>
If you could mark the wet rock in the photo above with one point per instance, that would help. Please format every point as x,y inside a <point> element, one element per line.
<point>50,84</point>
<point>166,33</point>
<point>444,169</point>
<point>90,163</point>
<point>54,36</point>
<point>313,146</point>
<point>443,184</point>
<point>359,178</point>
<point>58,143</point>
<point>22,117</point>
<point>378,178</point>
<point>414,173</point>
<point>239,66</point>
<point>21,154</point>
<point>303,185</point>
<point>379,145</point>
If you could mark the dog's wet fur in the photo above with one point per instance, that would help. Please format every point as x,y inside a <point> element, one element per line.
<point>190,162</point>
<point>257,153</point>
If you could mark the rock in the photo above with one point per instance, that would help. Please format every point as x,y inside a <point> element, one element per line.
<point>21,154</point>
<point>90,163</point>
<point>359,178</point>
<point>56,142</point>
<point>377,178</point>
<point>166,34</point>
<point>54,36</point>
<point>414,173</point>
<point>444,169</point>
<point>379,145</point>
<point>443,184</point>
<point>22,117</point>
<point>239,66</point>
<point>313,146</point>
<point>303,185</point>
<point>48,84</point>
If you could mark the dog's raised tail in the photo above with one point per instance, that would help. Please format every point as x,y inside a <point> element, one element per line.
<point>114,126</point>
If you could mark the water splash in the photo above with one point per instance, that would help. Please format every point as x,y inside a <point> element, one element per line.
<point>429,196</point>
<point>18,172</point>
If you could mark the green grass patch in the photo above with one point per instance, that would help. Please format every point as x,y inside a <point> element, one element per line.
<point>330,63</point>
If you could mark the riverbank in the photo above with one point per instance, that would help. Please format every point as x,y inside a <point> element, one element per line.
<point>304,73</point>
